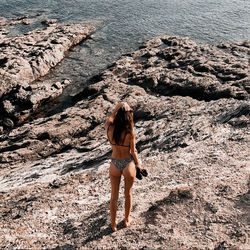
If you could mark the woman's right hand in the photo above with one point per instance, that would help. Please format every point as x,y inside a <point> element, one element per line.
<point>127,107</point>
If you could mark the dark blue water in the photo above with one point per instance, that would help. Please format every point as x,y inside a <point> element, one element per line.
<point>124,24</point>
<point>124,20</point>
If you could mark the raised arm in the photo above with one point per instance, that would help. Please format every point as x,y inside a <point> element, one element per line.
<point>134,152</point>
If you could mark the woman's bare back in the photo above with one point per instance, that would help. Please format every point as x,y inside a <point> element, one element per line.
<point>120,151</point>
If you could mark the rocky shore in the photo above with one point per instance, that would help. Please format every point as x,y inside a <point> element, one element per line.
<point>191,110</point>
<point>28,57</point>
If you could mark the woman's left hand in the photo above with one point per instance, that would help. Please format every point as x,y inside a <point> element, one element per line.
<point>140,167</point>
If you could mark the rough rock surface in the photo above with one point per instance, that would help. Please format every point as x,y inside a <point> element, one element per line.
<point>191,109</point>
<point>26,58</point>
<point>26,20</point>
<point>23,100</point>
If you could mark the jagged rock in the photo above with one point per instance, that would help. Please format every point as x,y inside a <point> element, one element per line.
<point>8,107</point>
<point>27,21</point>
<point>54,170</point>
<point>22,101</point>
<point>8,123</point>
<point>163,131</point>
<point>49,22</point>
<point>243,111</point>
<point>27,57</point>
<point>24,59</point>
<point>184,68</point>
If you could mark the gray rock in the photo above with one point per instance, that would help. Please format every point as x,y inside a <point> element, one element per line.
<point>49,22</point>
<point>8,123</point>
<point>54,170</point>
<point>29,56</point>
<point>8,107</point>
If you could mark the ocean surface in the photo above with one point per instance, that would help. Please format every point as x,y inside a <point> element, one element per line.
<point>122,25</point>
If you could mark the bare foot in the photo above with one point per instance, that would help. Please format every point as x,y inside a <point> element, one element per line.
<point>114,228</point>
<point>127,223</point>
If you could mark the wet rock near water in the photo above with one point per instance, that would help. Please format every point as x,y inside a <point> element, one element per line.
<point>23,20</point>
<point>191,112</point>
<point>49,22</point>
<point>27,57</point>
<point>170,65</point>
<point>26,20</point>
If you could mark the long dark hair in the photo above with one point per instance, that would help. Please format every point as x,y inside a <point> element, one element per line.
<point>123,122</point>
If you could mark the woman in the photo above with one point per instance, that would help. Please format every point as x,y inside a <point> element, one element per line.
<point>124,159</point>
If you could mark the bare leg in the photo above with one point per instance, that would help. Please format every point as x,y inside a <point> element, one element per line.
<point>115,179</point>
<point>129,175</point>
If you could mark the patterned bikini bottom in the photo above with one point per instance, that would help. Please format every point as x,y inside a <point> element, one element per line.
<point>121,164</point>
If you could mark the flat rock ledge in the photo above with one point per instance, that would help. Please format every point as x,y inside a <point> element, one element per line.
<point>192,116</point>
<point>26,58</point>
